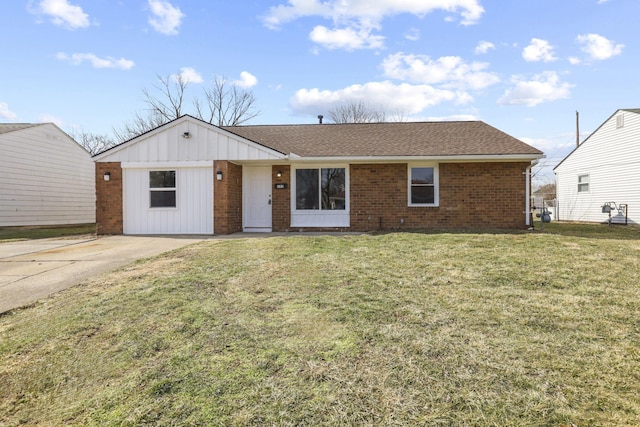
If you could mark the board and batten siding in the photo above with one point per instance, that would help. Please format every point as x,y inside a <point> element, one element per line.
<point>46,178</point>
<point>611,159</point>
<point>205,142</point>
<point>193,213</point>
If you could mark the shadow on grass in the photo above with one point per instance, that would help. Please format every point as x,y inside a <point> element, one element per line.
<point>569,229</point>
<point>28,233</point>
<point>592,231</point>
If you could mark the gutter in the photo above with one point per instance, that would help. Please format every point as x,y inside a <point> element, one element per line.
<point>405,159</point>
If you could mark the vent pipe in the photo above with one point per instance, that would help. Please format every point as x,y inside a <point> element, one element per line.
<point>320,117</point>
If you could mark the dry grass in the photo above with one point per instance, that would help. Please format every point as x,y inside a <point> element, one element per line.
<point>396,329</point>
<point>8,234</point>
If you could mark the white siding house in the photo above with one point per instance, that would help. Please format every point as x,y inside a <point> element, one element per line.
<point>46,178</point>
<point>604,168</point>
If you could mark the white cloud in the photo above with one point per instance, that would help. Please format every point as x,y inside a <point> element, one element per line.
<point>543,87</point>
<point>165,18</point>
<point>6,113</point>
<point>355,20</point>
<point>410,99</point>
<point>574,60</point>
<point>484,47</point>
<point>538,50</point>
<point>63,14</point>
<point>551,145</point>
<point>412,34</point>
<point>188,75</point>
<point>451,72</point>
<point>599,47</point>
<point>346,38</point>
<point>95,61</point>
<point>452,118</point>
<point>370,11</point>
<point>246,80</point>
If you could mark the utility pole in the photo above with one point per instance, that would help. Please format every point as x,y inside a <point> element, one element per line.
<point>577,129</point>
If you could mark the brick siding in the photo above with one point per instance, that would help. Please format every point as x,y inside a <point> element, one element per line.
<point>472,195</point>
<point>109,198</point>
<point>281,199</point>
<point>227,205</point>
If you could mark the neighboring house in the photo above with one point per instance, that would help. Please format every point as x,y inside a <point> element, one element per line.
<point>46,178</point>
<point>188,176</point>
<point>605,168</point>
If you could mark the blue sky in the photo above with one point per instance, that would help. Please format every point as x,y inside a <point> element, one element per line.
<point>524,67</point>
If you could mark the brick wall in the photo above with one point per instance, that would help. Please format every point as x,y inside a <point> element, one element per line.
<point>472,195</point>
<point>108,198</point>
<point>281,199</point>
<point>227,194</point>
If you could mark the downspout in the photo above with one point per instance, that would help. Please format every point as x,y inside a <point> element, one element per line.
<point>528,220</point>
<point>527,197</point>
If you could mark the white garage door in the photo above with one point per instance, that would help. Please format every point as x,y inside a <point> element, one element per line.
<point>168,200</point>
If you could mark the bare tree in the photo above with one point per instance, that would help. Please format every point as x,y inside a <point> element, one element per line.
<point>171,89</point>
<point>359,112</point>
<point>226,104</point>
<point>139,125</point>
<point>356,112</point>
<point>548,191</point>
<point>161,109</point>
<point>93,143</point>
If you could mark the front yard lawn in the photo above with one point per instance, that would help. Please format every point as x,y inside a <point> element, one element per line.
<point>407,329</point>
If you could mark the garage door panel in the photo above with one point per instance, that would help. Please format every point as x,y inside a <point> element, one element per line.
<point>193,213</point>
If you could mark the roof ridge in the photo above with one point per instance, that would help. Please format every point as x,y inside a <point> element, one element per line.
<point>356,124</point>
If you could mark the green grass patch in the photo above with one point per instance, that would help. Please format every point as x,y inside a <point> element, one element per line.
<point>521,329</point>
<point>8,234</point>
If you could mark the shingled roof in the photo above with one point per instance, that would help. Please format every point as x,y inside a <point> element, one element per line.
<point>10,127</point>
<point>386,139</point>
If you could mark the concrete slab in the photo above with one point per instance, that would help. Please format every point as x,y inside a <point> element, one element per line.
<point>11,249</point>
<point>34,269</point>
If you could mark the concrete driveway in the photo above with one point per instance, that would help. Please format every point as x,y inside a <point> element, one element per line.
<point>31,270</point>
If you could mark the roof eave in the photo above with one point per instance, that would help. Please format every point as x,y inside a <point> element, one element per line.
<point>405,159</point>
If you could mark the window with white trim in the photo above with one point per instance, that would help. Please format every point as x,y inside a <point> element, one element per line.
<point>321,189</point>
<point>162,189</point>
<point>423,186</point>
<point>619,121</point>
<point>583,183</point>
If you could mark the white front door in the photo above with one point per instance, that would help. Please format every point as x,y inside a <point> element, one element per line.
<point>257,198</point>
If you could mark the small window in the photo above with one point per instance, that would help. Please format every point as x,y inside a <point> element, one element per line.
<point>162,189</point>
<point>422,186</point>
<point>321,189</point>
<point>620,121</point>
<point>583,183</point>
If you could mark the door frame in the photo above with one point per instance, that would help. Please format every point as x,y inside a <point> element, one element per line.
<point>252,177</point>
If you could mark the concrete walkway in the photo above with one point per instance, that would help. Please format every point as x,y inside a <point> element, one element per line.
<point>31,270</point>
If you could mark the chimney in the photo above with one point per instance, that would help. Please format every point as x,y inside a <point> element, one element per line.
<point>320,117</point>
